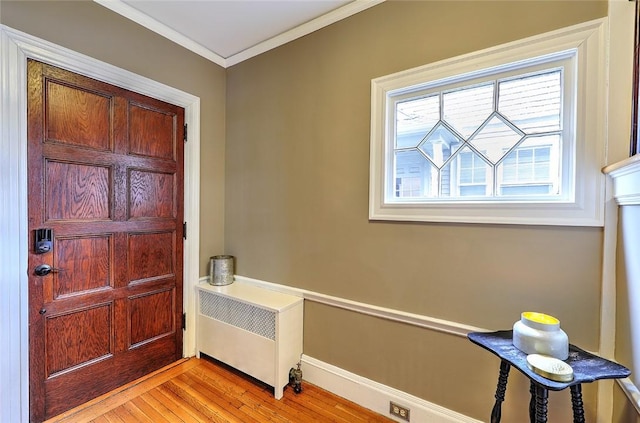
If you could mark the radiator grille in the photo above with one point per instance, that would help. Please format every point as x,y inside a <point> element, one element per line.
<point>241,315</point>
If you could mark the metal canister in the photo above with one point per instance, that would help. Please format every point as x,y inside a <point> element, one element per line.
<point>221,270</point>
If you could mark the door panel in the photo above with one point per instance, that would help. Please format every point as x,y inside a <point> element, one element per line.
<point>91,327</point>
<point>151,316</point>
<point>151,256</point>
<point>105,170</point>
<point>87,265</point>
<point>149,124</point>
<point>77,191</point>
<point>151,194</point>
<point>78,117</point>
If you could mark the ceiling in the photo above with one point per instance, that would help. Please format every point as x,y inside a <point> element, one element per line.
<point>230,31</point>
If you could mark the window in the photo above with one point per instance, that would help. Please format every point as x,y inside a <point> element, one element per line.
<point>460,142</point>
<point>513,134</point>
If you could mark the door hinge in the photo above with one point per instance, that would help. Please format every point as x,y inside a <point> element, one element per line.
<point>184,230</point>
<point>184,321</point>
<point>185,132</point>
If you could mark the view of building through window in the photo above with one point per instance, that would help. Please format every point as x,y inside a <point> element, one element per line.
<point>495,139</point>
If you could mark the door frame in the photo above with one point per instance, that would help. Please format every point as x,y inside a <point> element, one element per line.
<point>15,48</point>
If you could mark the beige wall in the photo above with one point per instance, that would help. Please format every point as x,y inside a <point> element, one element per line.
<point>297,139</point>
<point>88,28</point>
<point>297,206</point>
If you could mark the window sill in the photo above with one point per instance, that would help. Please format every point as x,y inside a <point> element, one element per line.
<point>556,214</point>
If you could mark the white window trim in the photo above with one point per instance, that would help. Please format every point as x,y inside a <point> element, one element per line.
<point>587,208</point>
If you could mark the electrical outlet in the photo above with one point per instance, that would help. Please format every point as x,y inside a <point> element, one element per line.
<point>399,411</point>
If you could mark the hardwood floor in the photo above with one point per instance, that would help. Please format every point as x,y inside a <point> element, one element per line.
<point>204,390</point>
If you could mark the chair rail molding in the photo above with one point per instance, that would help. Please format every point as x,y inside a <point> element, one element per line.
<point>419,320</point>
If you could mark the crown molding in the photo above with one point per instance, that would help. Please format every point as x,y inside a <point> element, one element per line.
<point>300,31</point>
<point>123,9</point>
<point>148,22</point>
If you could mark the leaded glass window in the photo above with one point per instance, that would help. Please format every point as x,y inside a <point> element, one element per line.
<point>513,134</point>
<point>501,137</point>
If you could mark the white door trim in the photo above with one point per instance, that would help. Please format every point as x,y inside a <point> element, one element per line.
<point>15,48</point>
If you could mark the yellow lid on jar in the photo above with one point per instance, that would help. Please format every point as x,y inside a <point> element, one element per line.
<point>541,318</point>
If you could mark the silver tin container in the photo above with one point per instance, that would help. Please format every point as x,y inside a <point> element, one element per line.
<point>221,270</point>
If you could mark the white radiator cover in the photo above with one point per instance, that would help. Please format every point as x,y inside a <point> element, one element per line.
<point>255,330</point>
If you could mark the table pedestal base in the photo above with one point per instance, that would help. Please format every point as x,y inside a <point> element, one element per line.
<point>538,405</point>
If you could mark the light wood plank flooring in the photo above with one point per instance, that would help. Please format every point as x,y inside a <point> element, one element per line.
<point>204,390</point>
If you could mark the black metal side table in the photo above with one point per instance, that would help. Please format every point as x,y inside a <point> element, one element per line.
<point>586,368</point>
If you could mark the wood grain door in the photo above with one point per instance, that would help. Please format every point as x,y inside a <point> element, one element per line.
<point>105,170</point>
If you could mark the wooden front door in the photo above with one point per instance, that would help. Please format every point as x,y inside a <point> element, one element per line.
<point>105,176</point>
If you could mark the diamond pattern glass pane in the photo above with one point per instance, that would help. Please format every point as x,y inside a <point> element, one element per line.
<point>532,103</point>
<point>486,139</point>
<point>415,176</point>
<point>440,145</point>
<point>533,168</point>
<point>467,175</point>
<point>466,109</point>
<point>495,139</point>
<point>414,119</point>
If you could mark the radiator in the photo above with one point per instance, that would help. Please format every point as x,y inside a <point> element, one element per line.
<point>255,330</point>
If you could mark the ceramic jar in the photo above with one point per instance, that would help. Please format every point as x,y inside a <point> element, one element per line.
<point>538,333</point>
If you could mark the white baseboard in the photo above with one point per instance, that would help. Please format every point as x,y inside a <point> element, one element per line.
<point>373,395</point>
